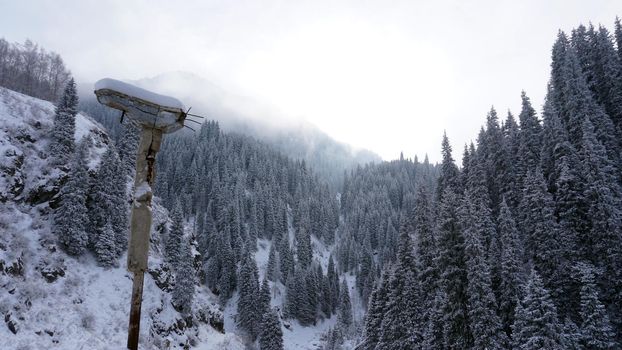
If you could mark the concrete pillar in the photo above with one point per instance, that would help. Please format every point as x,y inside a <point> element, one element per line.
<point>138,250</point>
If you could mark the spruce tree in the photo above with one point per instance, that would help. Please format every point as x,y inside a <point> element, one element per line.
<point>512,275</point>
<point>303,247</point>
<point>344,310</point>
<point>185,280</point>
<point>603,242</point>
<point>297,301</point>
<point>264,298</point>
<point>271,336</point>
<point>127,144</point>
<point>286,259</point>
<point>105,248</point>
<point>601,67</point>
<point>290,304</point>
<point>227,280</point>
<point>70,218</point>
<point>433,334</point>
<point>375,313</point>
<point>494,159</point>
<point>510,177</point>
<point>272,271</point>
<point>306,310</point>
<point>174,241</point>
<point>249,297</point>
<point>571,336</point>
<point>449,173</point>
<point>452,273</point>
<point>325,296</point>
<point>541,230</point>
<point>530,137</point>
<point>313,290</point>
<point>484,323</point>
<point>401,324</point>
<point>108,202</point>
<point>596,331</point>
<point>425,246</point>
<point>120,209</point>
<point>536,325</point>
<point>62,145</point>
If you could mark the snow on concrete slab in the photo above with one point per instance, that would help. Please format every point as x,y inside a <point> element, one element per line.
<point>131,90</point>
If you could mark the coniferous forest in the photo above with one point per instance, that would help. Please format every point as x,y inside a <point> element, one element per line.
<point>520,247</point>
<point>517,246</point>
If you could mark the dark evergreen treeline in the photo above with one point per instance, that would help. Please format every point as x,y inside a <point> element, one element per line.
<point>520,247</point>
<point>31,70</point>
<point>238,181</point>
<point>374,200</point>
<point>238,190</point>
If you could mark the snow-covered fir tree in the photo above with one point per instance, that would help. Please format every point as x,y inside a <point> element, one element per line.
<point>105,246</point>
<point>400,328</point>
<point>174,241</point>
<point>271,336</point>
<point>344,310</point>
<point>272,272</point>
<point>536,325</point>
<point>62,145</point>
<point>512,275</point>
<point>249,305</point>
<point>596,331</point>
<point>185,280</point>
<point>127,145</point>
<point>70,218</point>
<point>108,202</point>
<point>484,324</point>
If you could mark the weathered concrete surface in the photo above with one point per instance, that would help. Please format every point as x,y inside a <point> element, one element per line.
<point>138,250</point>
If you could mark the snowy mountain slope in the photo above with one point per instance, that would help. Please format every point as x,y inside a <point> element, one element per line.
<point>52,300</point>
<point>25,124</point>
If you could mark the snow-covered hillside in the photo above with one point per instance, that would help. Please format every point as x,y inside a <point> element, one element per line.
<point>52,300</point>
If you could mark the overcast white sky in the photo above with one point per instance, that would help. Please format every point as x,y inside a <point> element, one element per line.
<point>385,75</point>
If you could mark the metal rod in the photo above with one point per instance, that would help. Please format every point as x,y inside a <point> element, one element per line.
<point>194,121</point>
<point>194,115</point>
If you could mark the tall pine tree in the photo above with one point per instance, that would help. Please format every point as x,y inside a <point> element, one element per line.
<point>70,218</point>
<point>63,144</point>
<point>536,325</point>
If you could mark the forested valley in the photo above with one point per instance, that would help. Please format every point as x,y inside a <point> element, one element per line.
<point>517,246</point>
